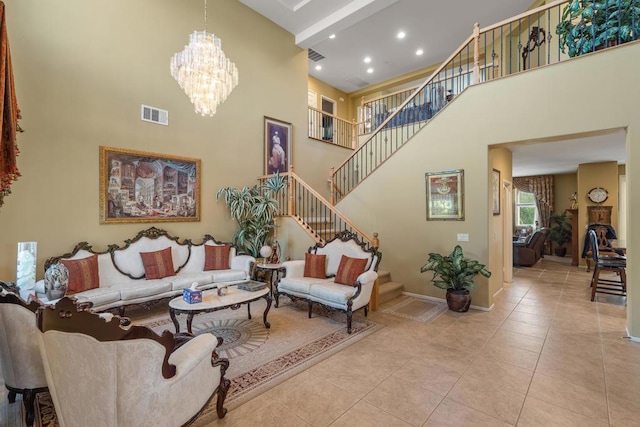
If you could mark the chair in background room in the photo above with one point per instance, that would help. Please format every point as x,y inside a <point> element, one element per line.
<point>614,263</point>
<point>103,374</point>
<point>528,253</point>
<point>605,233</point>
<point>19,353</point>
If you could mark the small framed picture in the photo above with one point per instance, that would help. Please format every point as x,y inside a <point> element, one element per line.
<point>496,191</point>
<point>277,146</point>
<point>445,195</point>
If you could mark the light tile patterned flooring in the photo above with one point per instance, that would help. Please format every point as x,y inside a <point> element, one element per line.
<point>544,356</point>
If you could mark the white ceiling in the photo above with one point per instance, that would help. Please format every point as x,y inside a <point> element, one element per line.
<point>369,28</point>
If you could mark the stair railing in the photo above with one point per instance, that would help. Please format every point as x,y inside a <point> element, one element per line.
<point>514,45</point>
<point>315,214</point>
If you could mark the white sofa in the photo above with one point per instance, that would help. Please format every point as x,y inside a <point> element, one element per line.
<point>325,291</point>
<point>102,374</point>
<point>121,271</point>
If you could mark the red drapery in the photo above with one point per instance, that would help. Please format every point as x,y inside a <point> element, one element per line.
<point>9,114</point>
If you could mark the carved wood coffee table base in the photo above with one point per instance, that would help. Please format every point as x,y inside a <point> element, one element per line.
<point>211,302</point>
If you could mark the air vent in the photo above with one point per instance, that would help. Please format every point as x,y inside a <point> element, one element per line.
<point>358,81</point>
<point>315,56</point>
<point>155,115</point>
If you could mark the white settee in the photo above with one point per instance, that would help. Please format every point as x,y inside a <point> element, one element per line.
<point>325,291</point>
<point>103,374</point>
<point>121,271</point>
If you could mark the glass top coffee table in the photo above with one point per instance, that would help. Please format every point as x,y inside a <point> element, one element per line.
<point>211,302</point>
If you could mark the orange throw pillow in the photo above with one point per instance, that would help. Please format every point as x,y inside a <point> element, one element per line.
<point>216,257</point>
<point>83,274</point>
<point>349,270</point>
<point>158,264</point>
<point>315,266</point>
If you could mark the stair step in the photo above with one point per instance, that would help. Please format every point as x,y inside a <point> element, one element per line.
<point>389,291</point>
<point>383,277</point>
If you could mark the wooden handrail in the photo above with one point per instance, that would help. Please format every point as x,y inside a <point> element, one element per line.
<point>388,95</point>
<point>332,115</point>
<point>523,15</point>
<point>331,208</point>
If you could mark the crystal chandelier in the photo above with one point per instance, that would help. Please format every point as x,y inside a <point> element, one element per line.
<point>203,71</point>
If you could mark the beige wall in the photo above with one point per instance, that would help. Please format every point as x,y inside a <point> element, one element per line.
<point>343,103</point>
<point>399,216</point>
<point>82,69</point>
<point>564,185</point>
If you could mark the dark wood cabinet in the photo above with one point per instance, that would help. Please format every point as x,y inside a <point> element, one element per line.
<point>575,243</point>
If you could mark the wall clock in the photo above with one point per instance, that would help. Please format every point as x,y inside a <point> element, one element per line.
<point>598,195</point>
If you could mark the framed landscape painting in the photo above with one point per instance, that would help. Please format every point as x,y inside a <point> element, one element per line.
<point>277,146</point>
<point>495,178</point>
<point>137,186</point>
<point>445,195</point>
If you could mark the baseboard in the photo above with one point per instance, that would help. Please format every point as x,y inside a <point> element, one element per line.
<point>498,292</point>
<point>442,300</point>
<point>632,338</point>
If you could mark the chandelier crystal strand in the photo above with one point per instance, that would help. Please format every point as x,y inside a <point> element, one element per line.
<point>204,72</point>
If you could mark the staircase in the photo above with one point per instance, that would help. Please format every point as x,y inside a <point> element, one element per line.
<point>387,289</point>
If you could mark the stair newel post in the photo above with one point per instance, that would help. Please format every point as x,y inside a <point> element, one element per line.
<point>476,53</point>
<point>290,191</point>
<point>375,242</point>
<point>332,187</point>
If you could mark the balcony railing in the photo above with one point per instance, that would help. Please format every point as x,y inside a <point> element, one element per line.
<point>332,129</point>
<point>518,44</point>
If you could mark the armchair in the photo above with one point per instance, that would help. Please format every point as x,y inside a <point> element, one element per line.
<point>103,374</point>
<point>527,254</point>
<point>19,354</point>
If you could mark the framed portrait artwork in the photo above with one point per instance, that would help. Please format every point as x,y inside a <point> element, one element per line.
<point>495,179</point>
<point>445,195</point>
<point>277,146</point>
<point>137,186</point>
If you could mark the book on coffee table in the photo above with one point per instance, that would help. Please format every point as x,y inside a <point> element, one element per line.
<point>252,286</point>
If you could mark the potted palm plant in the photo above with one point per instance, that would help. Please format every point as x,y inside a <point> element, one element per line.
<point>254,209</point>
<point>455,273</point>
<point>560,232</point>
<point>588,25</point>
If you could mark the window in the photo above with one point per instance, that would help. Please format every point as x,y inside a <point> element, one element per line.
<point>526,211</point>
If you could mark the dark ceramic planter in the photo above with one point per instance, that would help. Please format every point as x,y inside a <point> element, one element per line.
<point>458,300</point>
<point>560,251</point>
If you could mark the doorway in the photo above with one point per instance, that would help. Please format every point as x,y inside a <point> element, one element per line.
<point>329,107</point>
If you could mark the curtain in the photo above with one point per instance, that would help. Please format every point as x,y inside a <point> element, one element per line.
<point>542,188</point>
<point>9,114</point>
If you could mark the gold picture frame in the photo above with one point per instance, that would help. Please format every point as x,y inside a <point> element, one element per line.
<point>445,195</point>
<point>277,146</point>
<point>495,191</point>
<point>138,186</point>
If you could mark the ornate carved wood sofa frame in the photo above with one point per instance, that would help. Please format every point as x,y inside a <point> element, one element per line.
<point>121,272</point>
<point>134,372</point>
<point>324,291</point>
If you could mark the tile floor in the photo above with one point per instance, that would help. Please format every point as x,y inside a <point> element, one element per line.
<point>544,356</point>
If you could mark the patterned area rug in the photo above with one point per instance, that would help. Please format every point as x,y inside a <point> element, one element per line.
<point>417,309</point>
<point>259,358</point>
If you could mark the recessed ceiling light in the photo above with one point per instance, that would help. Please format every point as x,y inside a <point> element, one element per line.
<point>419,52</point>
<point>332,36</point>
<point>318,67</point>
<point>369,70</point>
<point>401,34</point>
<point>367,60</point>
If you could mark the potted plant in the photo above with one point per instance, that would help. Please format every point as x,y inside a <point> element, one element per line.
<point>455,273</point>
<point>560,232</point>
<point>254,209</point>
<point>588,25</point>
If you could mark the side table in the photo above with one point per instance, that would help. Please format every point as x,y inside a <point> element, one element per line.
<point>270,270</point>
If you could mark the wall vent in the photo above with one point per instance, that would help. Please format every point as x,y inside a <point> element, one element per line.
<point>358,81</point>
<point>315,56</point>
<point>155,115</point>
